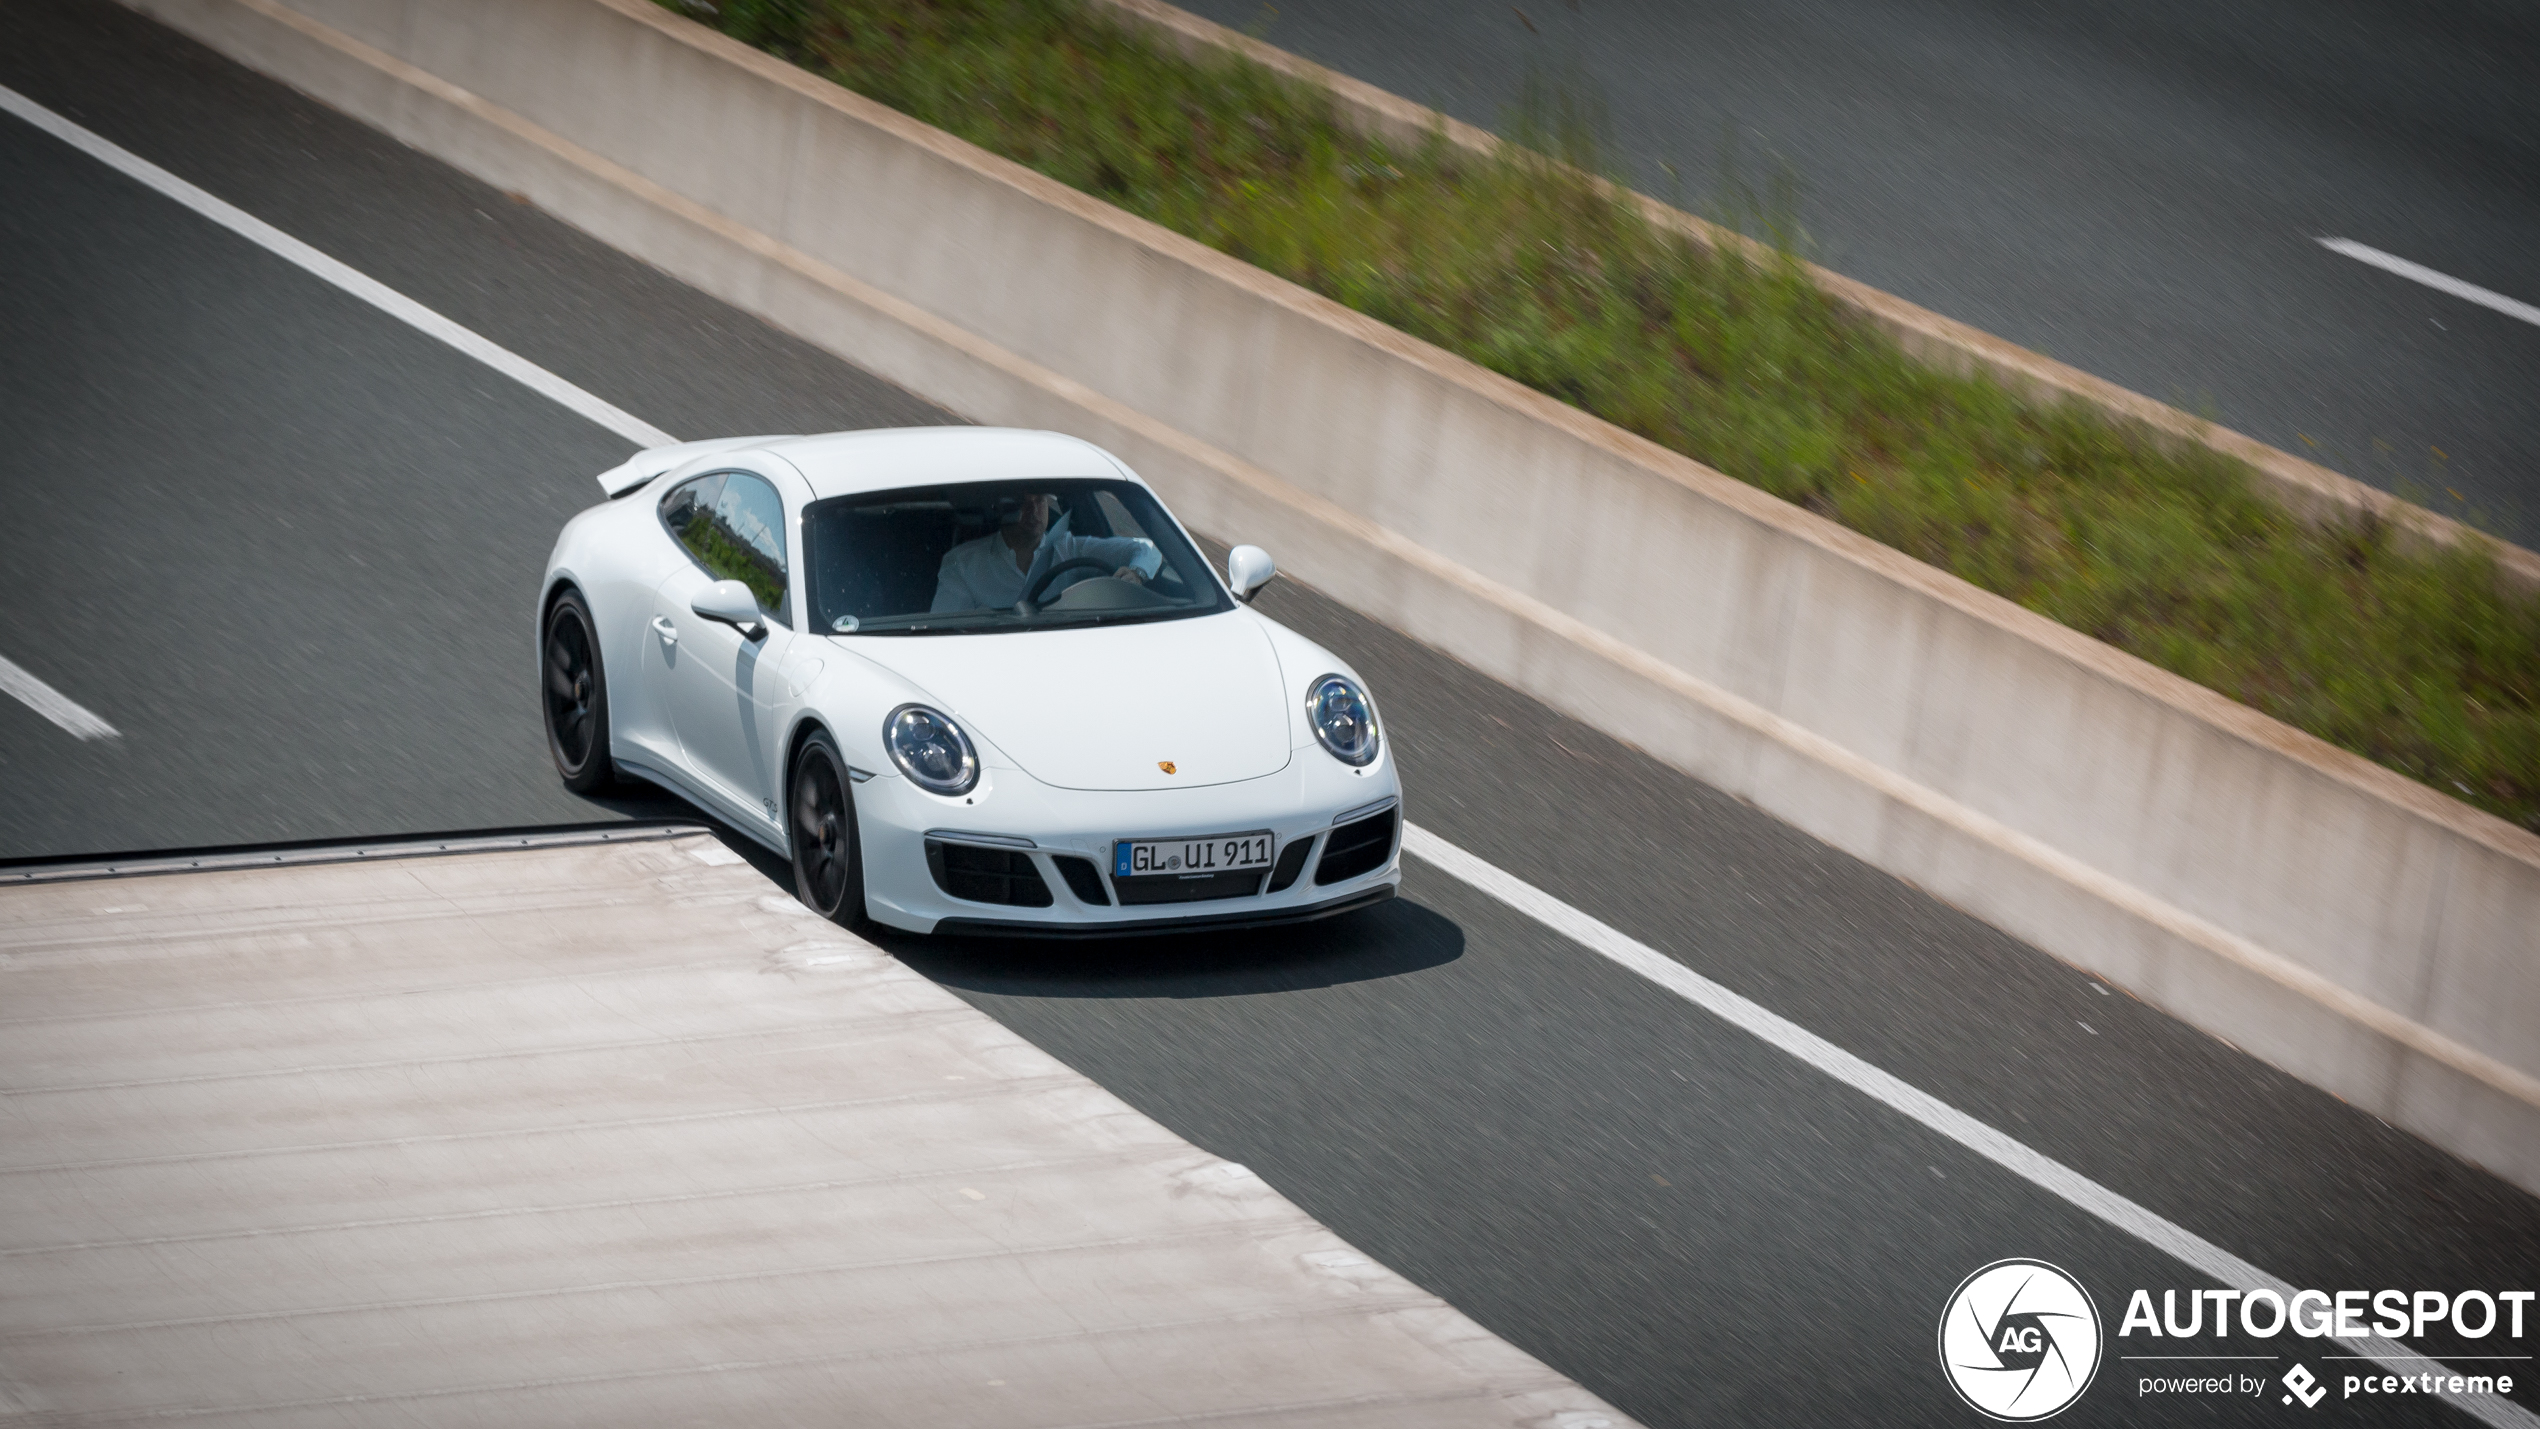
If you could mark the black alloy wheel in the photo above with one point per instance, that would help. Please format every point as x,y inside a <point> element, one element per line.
<point>575,696</point>
<point>828,856</point>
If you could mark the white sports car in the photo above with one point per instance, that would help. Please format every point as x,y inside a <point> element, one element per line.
<point>969,681</point>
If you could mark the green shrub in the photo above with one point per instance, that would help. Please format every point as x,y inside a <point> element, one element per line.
<point>2412,659</point>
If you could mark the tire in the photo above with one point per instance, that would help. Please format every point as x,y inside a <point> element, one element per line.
<point>820,831</point>
<point>575,696</point>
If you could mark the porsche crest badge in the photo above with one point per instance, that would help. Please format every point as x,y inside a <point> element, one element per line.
<point>1164,764</point>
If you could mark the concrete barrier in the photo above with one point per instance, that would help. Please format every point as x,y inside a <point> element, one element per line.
<point>2341,921</point>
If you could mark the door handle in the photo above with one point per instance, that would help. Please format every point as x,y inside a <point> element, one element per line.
<point>668,632</point>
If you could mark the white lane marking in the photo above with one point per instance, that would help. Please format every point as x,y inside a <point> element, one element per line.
<point>2032,1166</point>
<point>379,295</point>
<point>2440,282</point>
<point>51,703</point>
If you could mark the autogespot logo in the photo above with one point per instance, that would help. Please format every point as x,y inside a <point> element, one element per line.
<point>2019,1340</point>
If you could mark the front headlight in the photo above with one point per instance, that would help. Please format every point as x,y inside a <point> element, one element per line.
<point>1342,718</point>
<point>931,750</point>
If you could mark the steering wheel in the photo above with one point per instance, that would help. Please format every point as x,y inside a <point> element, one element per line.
<point>1031,600</point>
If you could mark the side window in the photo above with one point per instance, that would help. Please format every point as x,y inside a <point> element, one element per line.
<point>686,502</point>
<point>734,524</point>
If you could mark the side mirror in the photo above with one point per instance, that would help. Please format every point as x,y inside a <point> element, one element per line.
<point>731,603</point>
<point>1248,569</point>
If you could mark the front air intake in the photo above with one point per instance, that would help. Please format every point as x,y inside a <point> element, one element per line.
<point>987,875</point>
<point>1291,863</point>
<point>1082,879</point>
<point>1359,847</point>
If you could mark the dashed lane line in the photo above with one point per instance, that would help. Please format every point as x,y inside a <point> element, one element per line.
<point>2439,282</point>
<point>21,685</point>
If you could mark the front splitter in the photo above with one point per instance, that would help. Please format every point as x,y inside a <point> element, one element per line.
<point>1222,922</point>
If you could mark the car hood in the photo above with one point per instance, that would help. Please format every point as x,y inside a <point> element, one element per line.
<point>1108,707</point>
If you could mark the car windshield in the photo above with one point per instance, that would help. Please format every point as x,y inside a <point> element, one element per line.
<point>1006,555</point>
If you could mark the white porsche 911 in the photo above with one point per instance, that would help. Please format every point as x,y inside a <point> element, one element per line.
<point>969,680</point>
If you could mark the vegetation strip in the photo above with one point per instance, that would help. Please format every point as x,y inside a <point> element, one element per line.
<point>2413,657</point>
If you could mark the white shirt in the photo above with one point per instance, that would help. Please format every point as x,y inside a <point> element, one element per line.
<point>982,575</point>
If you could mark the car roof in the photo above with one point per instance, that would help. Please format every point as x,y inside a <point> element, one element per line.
<point>845,463</point>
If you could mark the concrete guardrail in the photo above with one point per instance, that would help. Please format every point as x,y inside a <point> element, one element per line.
<point>2341,921</point>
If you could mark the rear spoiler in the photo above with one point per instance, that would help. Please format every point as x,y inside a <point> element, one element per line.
<point>642,467</point>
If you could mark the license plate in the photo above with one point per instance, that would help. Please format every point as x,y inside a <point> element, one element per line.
<point>1220,853</point>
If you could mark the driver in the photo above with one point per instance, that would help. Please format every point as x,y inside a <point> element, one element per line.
<point>996,570</point>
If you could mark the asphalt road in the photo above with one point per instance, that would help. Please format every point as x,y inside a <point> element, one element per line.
<point>286,546</point>
<point>2133,189</point>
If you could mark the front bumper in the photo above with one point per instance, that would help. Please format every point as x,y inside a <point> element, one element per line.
<point>1012,812</point>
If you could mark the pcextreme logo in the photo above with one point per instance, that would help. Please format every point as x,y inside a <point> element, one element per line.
<point>2019,1340</point>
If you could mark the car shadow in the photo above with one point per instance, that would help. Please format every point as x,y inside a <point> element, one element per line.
<point>1388,940</point>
